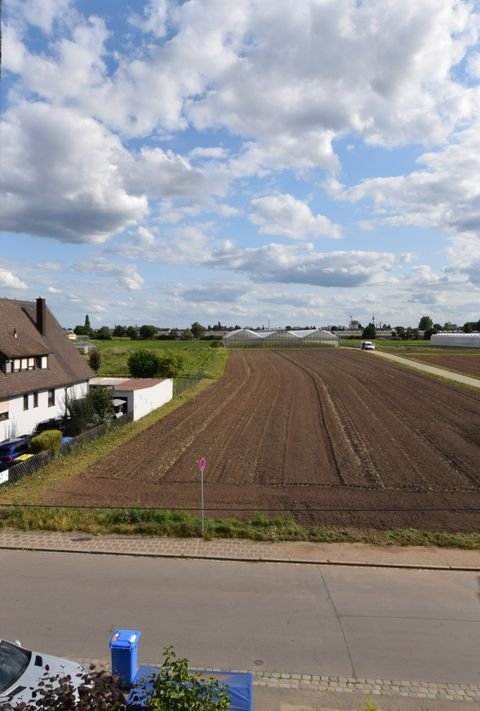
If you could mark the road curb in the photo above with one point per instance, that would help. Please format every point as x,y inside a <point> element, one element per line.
<point>247,559</point>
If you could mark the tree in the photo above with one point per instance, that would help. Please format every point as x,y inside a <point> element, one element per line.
<point>170,365</point>
<point>119,331</point>
<point>102,404</point>
<point>429,333</point>
<point>147,331</point>
<point>95,360</point>
<point>425,323</point>
<point>143,364</point>
<point>132,332</point>
<point>369,332</point>
<point>176,688</point>
<point>80,413</point>
<point>197,329</point>
<point>103,333</point>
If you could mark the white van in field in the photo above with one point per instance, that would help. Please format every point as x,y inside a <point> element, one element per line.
<point>368,346</point>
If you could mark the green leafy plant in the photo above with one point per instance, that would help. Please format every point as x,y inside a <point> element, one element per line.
<point>176,688</point>
<point>102,402</point>
<point>88,691</point>
<point>143,364</point>
<point>80,412</point>
<point>95,360</point>
<point>50,439</point>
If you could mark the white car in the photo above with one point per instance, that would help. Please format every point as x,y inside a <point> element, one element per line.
<point>21,670</point>
<point>368,346</point>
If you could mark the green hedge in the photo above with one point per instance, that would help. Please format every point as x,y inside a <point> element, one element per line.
<point>50,439</point>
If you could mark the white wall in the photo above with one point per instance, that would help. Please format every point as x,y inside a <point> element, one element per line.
<point>145,400</point>
<point>22,421</point>
<point>457,340</point>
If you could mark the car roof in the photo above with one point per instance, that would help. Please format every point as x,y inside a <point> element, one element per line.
<point>12,442</point>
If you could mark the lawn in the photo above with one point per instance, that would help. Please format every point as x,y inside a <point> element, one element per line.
<point>387,344</point>
<point>196,355</point>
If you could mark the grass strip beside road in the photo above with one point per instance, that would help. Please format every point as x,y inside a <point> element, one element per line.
<point>181,524</point>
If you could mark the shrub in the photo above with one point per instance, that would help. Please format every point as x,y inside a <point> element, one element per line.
<point>50,439</point>
<point>170,366</point>
<point>176,688</point>
<point>81,414</point>
<point>101,399</point>
<point>91,690</point>
<point>143,364</point>
<point>95,360</point>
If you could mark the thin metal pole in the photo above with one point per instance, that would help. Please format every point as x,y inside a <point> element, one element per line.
<point>203,507</point>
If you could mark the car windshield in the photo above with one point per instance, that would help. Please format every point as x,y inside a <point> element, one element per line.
<point>13,662</point>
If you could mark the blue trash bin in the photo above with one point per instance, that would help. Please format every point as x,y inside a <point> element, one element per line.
<point>124,652</point>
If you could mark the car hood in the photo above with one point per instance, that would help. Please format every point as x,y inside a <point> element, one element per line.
<point>37,671</point>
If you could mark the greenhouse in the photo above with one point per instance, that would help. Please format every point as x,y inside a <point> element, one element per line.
<point>456,340</point>
<point>311,338</point>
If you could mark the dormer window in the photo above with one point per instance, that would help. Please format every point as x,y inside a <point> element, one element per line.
<point>15,365</point>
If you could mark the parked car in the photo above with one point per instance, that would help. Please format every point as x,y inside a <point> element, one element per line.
<point>21,670</point>
<point>368,346</point>
<point>54,423</point>
<point>10,449</point>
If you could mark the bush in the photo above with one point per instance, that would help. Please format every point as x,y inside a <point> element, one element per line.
<point>91,690</point>
<point>176,688</point>
<point>50,439</point>
<point>170,366</point>
<point>143,364</point>
<point>81,414</point>
<point>101,399</point>
<point>95,360</point>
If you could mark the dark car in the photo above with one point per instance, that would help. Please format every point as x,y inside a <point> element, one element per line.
<point>10,449</point>
<point>55,423</point>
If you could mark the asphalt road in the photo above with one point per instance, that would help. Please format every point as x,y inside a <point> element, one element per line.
<point>390,624</point>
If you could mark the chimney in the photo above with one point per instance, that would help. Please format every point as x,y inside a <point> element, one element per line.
<point>41,315</point>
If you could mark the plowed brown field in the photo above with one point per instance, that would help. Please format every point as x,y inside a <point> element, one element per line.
<point>464,362</point>
<point>336,437</point>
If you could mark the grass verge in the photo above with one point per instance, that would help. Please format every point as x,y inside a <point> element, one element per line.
<point>159,522</point>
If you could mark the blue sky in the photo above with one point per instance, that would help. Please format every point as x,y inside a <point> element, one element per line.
<point>249,162</point>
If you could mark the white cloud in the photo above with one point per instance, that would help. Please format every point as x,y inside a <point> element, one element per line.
<point>300,265</point>
<point>61,177</point>
<point>125,274</point>
<point>286,216</point>
<point>445,195</point>
<point>39,13</point>
<point>154,18</point>
<point>8,280</point>
<point>465,258</point>
<point>287,79</point>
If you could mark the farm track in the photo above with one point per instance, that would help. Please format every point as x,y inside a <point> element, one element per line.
<point>329,435</point>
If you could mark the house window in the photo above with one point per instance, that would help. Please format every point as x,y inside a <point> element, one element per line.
<point>51,398</point>
<point>25,402</point>
<point>35,399</point>
<point>31,363</point>
<point>4,410</point>
<point>16,365</point>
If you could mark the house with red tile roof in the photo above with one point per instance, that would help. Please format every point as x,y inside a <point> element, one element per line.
<point>39,367</point>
